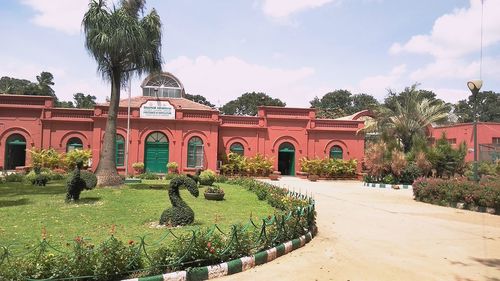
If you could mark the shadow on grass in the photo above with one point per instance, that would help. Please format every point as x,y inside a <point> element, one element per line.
<point>10,203</point>
<point>88,200</point>
<point>17,189</point>
<point>143,186</point>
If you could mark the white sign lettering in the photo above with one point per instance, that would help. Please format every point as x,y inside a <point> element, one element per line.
<point>157,110</point>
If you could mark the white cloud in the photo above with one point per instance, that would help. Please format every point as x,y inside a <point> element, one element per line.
<point>378,85</point>
<point>282,9</point>
<point>65,85</point>
<point>458,33</point>
<point>62,15</point>
<point>221,80</point>
<point>454,38</point>
<point>451,95</point>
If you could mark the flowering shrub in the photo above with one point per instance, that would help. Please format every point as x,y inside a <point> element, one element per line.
<point>258,165</point>
<point>207,177</point>
<point>329,167</point>
<point>445,192</point>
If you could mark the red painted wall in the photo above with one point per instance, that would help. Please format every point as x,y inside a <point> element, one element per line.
<point>464,133</point>
<point>44,126</point>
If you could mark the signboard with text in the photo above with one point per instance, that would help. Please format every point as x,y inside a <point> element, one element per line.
<point>157,110</point>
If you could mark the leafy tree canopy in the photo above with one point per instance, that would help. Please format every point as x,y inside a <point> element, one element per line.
<point>488,108</point>
<point>407,118</point>
<point>84,101</point>
<point>199,99</point>
<point>342,103</point>
<point>247,104</point>
<point>43,87</point>
<point>395,97</point>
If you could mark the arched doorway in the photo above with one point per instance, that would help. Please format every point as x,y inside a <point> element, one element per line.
<point>74,143</point>
<point>286,159</point>
<point>156,153</point>
<point>15,152</point>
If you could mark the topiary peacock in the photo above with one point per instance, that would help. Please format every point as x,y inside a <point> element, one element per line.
<point>180,213</point>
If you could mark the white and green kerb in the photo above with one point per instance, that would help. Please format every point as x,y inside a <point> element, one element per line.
<point>230,267</point>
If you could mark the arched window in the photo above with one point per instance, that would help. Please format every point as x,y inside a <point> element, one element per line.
<point>195,153</point>
<point>163,85</point>
<point>237,148</point>
<point>336,152</point>
<point>74,143</point>
<point>120,151</point>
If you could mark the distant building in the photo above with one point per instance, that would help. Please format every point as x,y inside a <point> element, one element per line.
<point>488,139</point>
<point>166,127</point>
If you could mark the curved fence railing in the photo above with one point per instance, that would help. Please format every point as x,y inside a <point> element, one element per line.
<point>177,249</point>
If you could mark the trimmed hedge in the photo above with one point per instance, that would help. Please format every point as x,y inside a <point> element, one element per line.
<point>449,192</point>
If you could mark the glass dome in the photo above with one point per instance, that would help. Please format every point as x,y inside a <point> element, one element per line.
<point>162,85</point>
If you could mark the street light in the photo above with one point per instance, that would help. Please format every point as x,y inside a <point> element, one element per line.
<point>474,87</point>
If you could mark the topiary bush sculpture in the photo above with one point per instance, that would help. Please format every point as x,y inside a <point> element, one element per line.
<point>180,213</point>
<point>75,184</point>
<point>196,176</point>
<point>89,178</point>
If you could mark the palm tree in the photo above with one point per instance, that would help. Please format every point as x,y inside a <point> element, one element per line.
<point>410,118</point>
<point>123,42</point>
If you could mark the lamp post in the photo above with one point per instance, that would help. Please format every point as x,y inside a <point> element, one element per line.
<point>474,86</point>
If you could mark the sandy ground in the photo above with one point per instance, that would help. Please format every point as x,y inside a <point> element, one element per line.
<point>380,234</point>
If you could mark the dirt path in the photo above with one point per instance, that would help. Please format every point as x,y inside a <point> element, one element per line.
<point>378,234</point>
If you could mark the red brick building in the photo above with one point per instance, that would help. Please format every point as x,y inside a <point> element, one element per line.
<point>488,139</point>
<point>165,127</point>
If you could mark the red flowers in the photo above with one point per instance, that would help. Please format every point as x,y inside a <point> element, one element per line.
<point>210,248</point>
<point>131,242</point>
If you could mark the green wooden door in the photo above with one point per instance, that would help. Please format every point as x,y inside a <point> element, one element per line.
<point>15,152</point>
<point>286,159</point>
<point>156,153</point>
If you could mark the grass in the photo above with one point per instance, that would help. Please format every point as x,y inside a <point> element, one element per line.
<point>25,210</point>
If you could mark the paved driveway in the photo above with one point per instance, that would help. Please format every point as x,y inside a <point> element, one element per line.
<point>378,234</point>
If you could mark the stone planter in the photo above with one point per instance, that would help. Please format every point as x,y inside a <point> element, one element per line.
<point>274,177</point>
<point>217,196</point>
<point>313,177</point>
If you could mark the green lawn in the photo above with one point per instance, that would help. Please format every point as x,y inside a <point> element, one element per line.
<point>25,210</point>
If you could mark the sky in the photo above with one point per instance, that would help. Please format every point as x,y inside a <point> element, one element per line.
<point>290,49</point>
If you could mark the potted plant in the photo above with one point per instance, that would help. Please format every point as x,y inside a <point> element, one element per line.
<point>172,167</point>
<point>138,168</point>
<point>274,176</point>
<point>313,177</point>
<point>214,192</point>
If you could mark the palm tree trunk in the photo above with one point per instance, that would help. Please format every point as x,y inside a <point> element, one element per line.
<point>106,172</point>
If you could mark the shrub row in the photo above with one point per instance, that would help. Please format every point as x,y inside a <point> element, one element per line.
<point>238,165</point>
<point>486,193</point>
<point>329,167</point>
<point>115,259</point>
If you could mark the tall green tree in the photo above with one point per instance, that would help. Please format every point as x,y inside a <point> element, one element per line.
<point>488,108</point>
<point>248,103</point>
<point>84,101</point>
<point>124,42</point>
<point>407,118</point>
<point>64,104</point>
<point>43,87</point>
<point>45,83</point>
<point>363,101</point>
<point>341,103</point>
<point>199,99</point>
